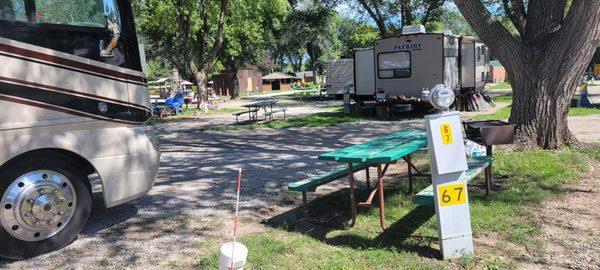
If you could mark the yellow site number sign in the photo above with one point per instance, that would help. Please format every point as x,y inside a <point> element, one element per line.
<point>452,194</point>
<point>447,137</point>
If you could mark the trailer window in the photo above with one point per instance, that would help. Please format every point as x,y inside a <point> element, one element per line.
<point>91,13</point>
<point>13,10</point>
<point>394,65</point>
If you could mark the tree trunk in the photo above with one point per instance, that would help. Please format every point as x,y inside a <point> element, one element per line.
<point>541,101</point>
<point>235,86</point>
<point>202,80</point>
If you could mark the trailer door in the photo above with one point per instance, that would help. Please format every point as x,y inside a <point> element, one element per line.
<point>364,73</point>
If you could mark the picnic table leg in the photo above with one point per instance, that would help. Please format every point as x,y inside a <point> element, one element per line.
<point>489,151</point>
<point>410,175</point>
<point>381,197</point>
<point>352,194</point>
<point>488,184</point>
<point>305,203</point>
<point>368,178</point>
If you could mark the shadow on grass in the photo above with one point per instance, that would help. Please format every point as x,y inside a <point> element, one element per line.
<point>400,235</point>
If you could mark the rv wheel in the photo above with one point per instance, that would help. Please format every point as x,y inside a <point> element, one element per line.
<point>45,202</point>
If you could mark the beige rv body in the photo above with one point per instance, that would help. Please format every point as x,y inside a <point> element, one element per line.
<point>433,61</point>
<point>124,153</point>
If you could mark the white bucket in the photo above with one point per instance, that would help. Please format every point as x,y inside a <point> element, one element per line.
<point>239,258</point>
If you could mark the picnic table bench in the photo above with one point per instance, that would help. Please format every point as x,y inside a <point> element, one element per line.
<point>252,115</point>
<point>273,112</point>
<point>476,166</point>
<point>311,184</point>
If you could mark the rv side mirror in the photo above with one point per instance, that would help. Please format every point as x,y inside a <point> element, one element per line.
<point>107,50</point>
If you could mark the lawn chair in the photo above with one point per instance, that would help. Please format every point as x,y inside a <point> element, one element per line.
<point>176,102</point>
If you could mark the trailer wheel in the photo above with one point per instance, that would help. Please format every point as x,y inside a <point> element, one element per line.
<point>45,203</point>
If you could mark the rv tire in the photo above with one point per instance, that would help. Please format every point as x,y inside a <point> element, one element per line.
<point>63,199</point>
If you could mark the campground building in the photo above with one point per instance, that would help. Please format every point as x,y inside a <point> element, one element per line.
<point>497,72</point>
<point>278,81</point>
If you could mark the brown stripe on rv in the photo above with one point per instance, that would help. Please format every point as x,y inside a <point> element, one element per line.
<point>70,63</point>
<point>58,109</point>
<point>72,92</point>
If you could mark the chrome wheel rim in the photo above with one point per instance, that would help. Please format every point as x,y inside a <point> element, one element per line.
<point>38,205</point>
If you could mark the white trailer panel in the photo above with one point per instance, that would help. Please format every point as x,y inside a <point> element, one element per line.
<point>474,65</point>
<point>364,72</point>
<point>340,73</point>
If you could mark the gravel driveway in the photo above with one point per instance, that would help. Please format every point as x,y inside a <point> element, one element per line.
<point>193,195</point>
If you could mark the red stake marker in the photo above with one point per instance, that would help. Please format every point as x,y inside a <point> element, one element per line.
<point>237,207</point>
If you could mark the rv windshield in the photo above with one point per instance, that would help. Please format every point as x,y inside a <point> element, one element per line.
<point>91,13</point>
<point>13,10</point>
<point>394,65</point>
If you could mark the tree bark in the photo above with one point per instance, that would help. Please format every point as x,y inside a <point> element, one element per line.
<point>202,79</point>
<point>546,66</point>
<point>235,84</point>
<point>373,9</point>
<point>515,10</point>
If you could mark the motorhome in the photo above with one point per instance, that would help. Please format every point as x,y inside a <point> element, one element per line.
<point>364,74</point>
<point>340,74</point>
<point>475,64</point>
<point>406,65</point>
<point>74,103</point>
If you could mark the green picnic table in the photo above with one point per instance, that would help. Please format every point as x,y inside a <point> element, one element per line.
<point>379,153</point>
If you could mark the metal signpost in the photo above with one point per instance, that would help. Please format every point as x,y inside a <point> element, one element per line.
<point>448,166</point>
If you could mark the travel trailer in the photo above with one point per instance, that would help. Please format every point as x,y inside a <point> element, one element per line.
<point>364,74</point>
<point>74,103</point>
<point>475,64</point>
<point>410,63</point>
<point>340,73</point>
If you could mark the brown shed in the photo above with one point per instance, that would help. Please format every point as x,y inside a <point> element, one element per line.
<point>497,72</point>
<point>278,81</point>
<point>249,81</point>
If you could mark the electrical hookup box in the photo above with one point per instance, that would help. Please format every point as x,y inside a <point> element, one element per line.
<point>448,163</point>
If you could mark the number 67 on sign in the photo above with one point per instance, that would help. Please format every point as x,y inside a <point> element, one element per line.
<point>452,194</point>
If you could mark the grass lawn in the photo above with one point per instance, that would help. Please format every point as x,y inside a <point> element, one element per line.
<point>504,113</point>
<point>192,112</point>
<point>503,98</point>
<point>501,86</point>
<point>315,120</point>
<point>503,221</point>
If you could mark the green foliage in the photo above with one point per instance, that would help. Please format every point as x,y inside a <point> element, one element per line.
<point>183,32</point>
<point>158,69</point>
<point>313,26</point>
<point>249,30</point>
<point>454,21</point>
<point>73,12</point>
<point>353,34</point>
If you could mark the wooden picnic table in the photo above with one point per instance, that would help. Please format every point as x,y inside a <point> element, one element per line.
<point>379,153</point>
<point>264,104</point>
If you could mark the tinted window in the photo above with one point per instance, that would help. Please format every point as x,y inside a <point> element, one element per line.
<point>13,10</point>
<point>393,65</point>
<point>76,12</point>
